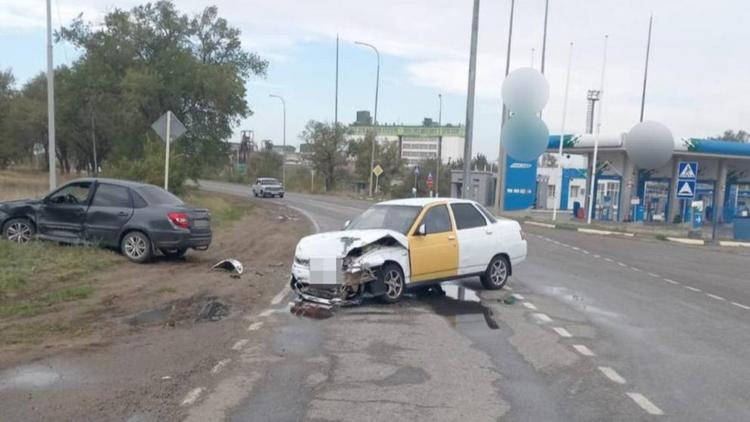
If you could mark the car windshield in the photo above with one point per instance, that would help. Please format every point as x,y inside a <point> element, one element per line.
<point>390,217</point>
<point>269,182</point>
<point>158,196</point>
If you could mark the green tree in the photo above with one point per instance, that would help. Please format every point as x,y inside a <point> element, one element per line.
<point>329,150</point>
<point>7,93</point>
<point>739,136</point>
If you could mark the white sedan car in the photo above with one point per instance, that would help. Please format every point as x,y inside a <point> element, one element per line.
<point>406,243</point>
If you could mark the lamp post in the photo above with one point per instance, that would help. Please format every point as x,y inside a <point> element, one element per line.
<point>283,151</point>
<point>440,145</point>
<point>375,117</point>
<point>51,149</point>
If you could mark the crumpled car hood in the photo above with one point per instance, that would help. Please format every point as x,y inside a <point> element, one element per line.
<point>339,243</point>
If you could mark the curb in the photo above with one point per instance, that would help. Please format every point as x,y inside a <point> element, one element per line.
<point>733,243</point>
<point>534,223</point>
<point>687,241</point>
<point>605,232</point>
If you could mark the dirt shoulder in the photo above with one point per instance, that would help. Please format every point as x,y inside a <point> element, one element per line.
<point>144,332</point>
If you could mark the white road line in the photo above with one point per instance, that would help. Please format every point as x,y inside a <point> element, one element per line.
<point>543,317</point>
<point>240,344</point>
<point>741,305</point>
<point>280,296</point>
<point>562,332</point>
<point>530,306</point>
<point>585,251</point>
<point>219,365</point>
<point>597,256</point>
<point>565,244</point>
<point>654,275</point>
<point>645,403</point>
<point>255,326</point>
<point>266,313</point>
<point>575,248</point>
<point>669,280</point>
<point>695,289</point>
<point>508,288</point>
<point>192,396</point>
<point>608,259</point>
<point>612,374</point>
<point>635,269</point>
<point>519,297</point>
<point>580,348</point>
<point>622,264</point>
<point>714,296</point>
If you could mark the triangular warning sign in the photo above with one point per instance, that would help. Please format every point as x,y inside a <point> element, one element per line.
<point>687,172</point>
<point>685,189</point>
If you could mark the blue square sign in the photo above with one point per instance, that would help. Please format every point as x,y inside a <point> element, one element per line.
<point>688,170</point>
<point>686,189</point>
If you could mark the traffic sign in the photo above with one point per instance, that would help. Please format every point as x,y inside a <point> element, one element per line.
<point>416,170</point>
<point>377,170</point>
<point>688,170</point>
<point>429,181</point>
<point>176,128</point>
<point>685,189</point>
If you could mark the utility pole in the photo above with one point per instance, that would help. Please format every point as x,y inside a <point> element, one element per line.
<point>52,150</point>
<point>558,192</point>
<point>470,100</point>
<point>93,142</point>
<point>336,100</point>
<point>596,136</point>
<point>375,117</point>
<point>283,151</point>
<point>440,144</point>
<point>645,71</point>
<point>544,37</point>
<point>500,185</point>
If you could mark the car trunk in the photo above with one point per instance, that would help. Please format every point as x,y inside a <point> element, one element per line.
<point>200,220</point>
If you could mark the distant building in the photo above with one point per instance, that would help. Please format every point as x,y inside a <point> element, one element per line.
<point>280,149</point>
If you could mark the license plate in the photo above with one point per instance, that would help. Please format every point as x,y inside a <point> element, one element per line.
<point>201,224</point>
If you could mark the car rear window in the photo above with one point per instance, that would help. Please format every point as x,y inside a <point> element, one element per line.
<point>269,182</point>
<point>158,196</point>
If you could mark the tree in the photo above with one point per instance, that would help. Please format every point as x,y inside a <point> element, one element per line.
<point>329,149</point>
<point>7,93</point>
<point>739,136</point>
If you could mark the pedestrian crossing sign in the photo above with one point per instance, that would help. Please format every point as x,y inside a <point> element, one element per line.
<point>688,170</point>
<point>686,189</point>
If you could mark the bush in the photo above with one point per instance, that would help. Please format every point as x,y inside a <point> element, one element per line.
<point>150,168</point>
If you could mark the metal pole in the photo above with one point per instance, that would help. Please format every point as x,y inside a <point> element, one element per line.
<point>283,150</point>
<point>93,142</point>
<point>596,135</point>
<point>558,192</point>
<point>52,149</point>
<point>166,156</point>
<point>500,185</point>
<point>470,100</point>
<point>440,144</point>
<point>544,38</point>
<point>375,117</point>
<point>336,101</point>
<point>645,70</point>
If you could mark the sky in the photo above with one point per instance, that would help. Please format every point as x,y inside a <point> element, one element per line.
<point>698,74</point>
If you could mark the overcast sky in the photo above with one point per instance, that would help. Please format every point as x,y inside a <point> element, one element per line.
<point>698,83</point>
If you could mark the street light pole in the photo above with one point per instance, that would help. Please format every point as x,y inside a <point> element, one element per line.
<point>375,117</point>
<point>500,185</point>
<point>470,100</point>
<point>52,150</point>
<point>558,192</point>
<point>440,145</point>
<point>596,136</point>
<point>283,151</point>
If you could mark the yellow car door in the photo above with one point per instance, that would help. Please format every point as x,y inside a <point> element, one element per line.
<point>433,248</point>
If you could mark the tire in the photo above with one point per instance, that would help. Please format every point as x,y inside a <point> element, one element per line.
<point>19,230</point>
<point>497,273</point>
<point>136,246</point>
<point>392,277</point>
<point>173,253</point>
<point>255,194</point>
<point>281,195</point>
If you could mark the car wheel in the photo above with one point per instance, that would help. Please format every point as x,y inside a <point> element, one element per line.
<point>393,278</point>
<point>496,274</point>
<point>18,230</point>
<point>281,195</point>
<point>136,246</point>
<point>174,253</point>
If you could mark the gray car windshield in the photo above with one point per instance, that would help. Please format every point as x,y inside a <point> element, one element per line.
<point>390,217</point>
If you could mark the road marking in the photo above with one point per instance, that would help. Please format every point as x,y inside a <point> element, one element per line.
<point>585,251</point>
<point>612,374</point>
<point>519,297</point>
<point>565,244</point>
<point>308,215</point>
<point>266,313</point>
<point>219,365</point>
<point>192,396</point>
<point>240,344</point>
<point>654,275</point>
<point>562,332</point>
<point>714,296</point>
<point>608,259</point>
<point>255,326</point>
<point>530,306</point>
<point>695,289</point>
<point>635,269</point>
<point>575,248</point>
<point>621,264</point>
<point>280,296</point>
<point>508,288</point>
<point>668,280</point>
<point>741,305</point>
<point>580,348</point>
<point>597,256</point>
<point>645,403</point>
<point>543,317</point>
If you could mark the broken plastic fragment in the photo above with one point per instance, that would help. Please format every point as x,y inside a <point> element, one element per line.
<point>230,264</point>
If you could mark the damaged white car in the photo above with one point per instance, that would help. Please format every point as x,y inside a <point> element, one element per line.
<point>404,243</point>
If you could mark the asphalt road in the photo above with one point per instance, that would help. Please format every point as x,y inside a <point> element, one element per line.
<point>603,329</point>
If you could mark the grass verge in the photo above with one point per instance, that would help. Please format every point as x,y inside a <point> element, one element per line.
<point>225,210</point>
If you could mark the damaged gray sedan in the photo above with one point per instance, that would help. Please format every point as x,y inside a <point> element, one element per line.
<point>406,243</point>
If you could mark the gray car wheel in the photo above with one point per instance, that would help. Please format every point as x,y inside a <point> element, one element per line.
<point>18,230</point>
<point>136,246</point>
<point>496,274</point>
<point>393,279</point>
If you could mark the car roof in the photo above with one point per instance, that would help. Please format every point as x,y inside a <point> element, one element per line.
<point>422,202</point>
<point>119,182</point>
<point>268,178</point>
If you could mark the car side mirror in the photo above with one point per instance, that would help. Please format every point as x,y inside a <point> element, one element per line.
<point>422,230</point>
<point>346,223</point>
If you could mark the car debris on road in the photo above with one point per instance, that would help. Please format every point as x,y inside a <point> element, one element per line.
<point>230,264</point>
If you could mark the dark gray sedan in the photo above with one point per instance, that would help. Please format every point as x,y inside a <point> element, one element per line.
<point>136,218</point>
